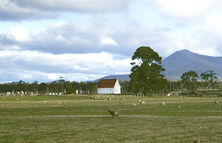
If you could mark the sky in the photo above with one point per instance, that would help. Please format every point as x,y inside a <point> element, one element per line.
<point>82,40</point>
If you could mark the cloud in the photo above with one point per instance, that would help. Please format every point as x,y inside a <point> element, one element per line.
<point>17,34</point>
<point>85,37</point>
<point>63,38</point>
<point>195,25</point>
<point>30,76</point>
<point>74,5</point>
<point>108,42</point>
<point>9,10</point>
<point>170,26</point>
<point>30,65</point>
<point>189,13</point>
<point>186,8</point>
<point>38,9</point>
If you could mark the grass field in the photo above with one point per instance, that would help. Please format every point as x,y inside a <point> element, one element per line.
<point>82,119</point>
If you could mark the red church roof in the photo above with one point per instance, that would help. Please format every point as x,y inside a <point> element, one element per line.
<point>107,83</point>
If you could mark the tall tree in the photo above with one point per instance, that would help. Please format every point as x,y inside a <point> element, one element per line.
<point>43,88</point>
<point>124,87</point>
<point>189,80</point>
<point>93,88</point>
<point>146,71</point>
<point>209,77</point>
<point>68,88</point>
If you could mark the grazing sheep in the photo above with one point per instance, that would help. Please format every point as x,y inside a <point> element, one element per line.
<point>182,97</point>
<point>217,102</point>
<point>196,141</point>
<point>122,103</point>
<point>113,113</point>
<point>138,100</point>
<point>163,103</point>
<point>141,102</point>
<point>109,99</point>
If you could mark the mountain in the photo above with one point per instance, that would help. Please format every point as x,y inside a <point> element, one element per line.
<point>122,77</point>
<point>183,61</point>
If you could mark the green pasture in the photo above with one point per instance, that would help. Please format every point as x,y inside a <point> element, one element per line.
<point>84,119</point>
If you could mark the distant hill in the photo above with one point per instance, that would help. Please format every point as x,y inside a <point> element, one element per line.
<point>183,61</point>
<point>122,77</point>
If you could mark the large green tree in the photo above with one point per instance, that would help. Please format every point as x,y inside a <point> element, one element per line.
<point>209,77</point>
<point>146,76</point>
<point>189,80</point>
<point>68,88</point>
<point>93,88</point>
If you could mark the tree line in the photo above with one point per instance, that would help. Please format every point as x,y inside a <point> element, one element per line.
<point>190,83</point>
<point>59,86</point>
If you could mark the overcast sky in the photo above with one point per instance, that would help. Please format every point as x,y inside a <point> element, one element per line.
<point>86,39</point>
